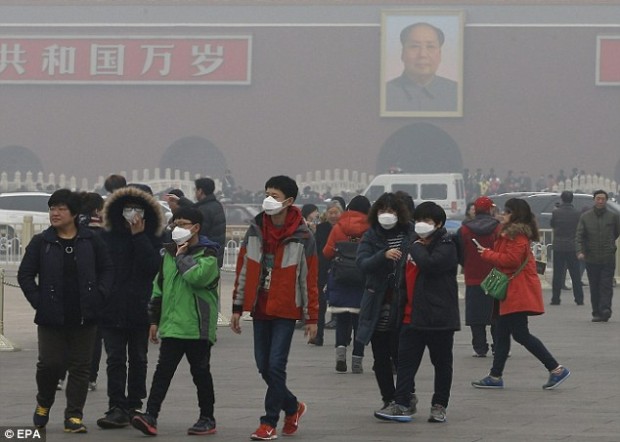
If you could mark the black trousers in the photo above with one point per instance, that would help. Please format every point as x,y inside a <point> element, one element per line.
<point>126,365</point>
<point>563,261</point>
<point>198,354</point>
<point>385,355</point>
<point>412,344</point>
<point>63,349</point>
<point>601,277</point>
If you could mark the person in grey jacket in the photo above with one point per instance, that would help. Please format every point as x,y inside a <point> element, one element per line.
<point>564,220</point>
<point>595,242</point>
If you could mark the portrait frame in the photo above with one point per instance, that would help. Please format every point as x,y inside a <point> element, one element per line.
<point>449,70</point>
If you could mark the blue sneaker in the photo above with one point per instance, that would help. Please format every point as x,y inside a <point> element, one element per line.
<point>394,412</point>
<point>489,382</point>
<point>556,379</point>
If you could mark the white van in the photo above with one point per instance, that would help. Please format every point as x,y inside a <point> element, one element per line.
<point>445,189</point>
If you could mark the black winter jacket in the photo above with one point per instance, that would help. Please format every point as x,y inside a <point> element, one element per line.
<point>44,258</point>
<point>381,274</point>
<point>214,223</point>
<point>435,299</point>
<point>137,259</point>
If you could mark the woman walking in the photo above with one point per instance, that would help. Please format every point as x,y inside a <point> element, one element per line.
<point>511,252</point>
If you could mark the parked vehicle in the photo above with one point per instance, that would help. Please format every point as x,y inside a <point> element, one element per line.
<point>238,217</point>
<point>543,203</point>
<point>445,189</point>
<point>15,205</point>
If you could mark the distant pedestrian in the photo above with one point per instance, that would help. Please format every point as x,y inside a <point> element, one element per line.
<point>183,311</point>
<point>332,215</point>
<point>478,307</point>
<point>345,297</point>
<point>65,274</point>
<point>114,182</point>
<point>564,221</point>
<point>310,213</point>
<point>597,232</point>
<point>428,315</point>
<point>277,282</point>
<point>214,223</point>
<point>510,253</point>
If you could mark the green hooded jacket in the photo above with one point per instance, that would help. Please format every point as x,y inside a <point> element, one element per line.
<point>185,299</point>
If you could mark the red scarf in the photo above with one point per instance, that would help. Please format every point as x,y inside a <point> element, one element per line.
<point>273,235</point>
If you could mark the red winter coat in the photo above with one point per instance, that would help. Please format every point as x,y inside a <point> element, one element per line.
<point>509,251</point>
<point>352,224</point>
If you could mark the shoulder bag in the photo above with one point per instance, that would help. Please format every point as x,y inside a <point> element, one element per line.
<point>496,283</point>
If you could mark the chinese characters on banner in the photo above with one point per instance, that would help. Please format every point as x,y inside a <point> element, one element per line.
<point>126,60</point>
<point>608,60</point>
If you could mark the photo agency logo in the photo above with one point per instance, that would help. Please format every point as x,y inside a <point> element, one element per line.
<point>22,433</point>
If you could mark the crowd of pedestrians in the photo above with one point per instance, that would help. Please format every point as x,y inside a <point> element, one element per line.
<point>121,273</point>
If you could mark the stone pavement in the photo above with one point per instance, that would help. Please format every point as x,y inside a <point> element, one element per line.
<point>340,406</point>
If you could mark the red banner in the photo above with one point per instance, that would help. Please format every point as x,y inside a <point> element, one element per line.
<point>608,60</point>
<point>185,60</point>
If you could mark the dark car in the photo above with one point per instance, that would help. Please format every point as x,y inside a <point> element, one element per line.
<point>543,203</point>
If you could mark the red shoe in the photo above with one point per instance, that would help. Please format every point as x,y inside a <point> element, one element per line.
<point>264,432</point>
<point>291,423</point>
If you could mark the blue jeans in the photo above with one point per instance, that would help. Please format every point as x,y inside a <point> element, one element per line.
<point>515,324</point>
<point>272,344</point>
<point>346,323</point>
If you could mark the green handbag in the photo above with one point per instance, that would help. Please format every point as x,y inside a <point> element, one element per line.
<point>496,283</point>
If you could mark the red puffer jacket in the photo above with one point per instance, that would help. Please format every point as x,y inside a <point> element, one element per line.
<point>509,251</point>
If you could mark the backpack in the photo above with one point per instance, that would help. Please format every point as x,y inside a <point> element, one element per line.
<point>344,269</point>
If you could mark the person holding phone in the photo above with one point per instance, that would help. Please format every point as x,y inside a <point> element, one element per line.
<point>134,222</point>
<point>480,231</point>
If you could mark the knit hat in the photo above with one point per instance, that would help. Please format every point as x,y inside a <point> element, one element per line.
<point>483,204</point>
<point>359,203</point>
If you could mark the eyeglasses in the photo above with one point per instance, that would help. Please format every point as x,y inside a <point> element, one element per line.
<point>184,224</point>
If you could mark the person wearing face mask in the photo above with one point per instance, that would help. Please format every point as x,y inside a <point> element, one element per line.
<point>183,312</point>
<point>133,226</point>
<point>276,282</point>
<point>428,314</point>
<point>379,256</point>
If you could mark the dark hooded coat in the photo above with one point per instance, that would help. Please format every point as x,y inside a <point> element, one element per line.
<point>136,258</point>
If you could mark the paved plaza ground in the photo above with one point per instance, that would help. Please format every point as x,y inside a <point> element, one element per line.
<point>340,406</point>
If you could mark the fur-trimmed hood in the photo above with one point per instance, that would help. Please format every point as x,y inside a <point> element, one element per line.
<point>511,230</point>
<point>113,210</point>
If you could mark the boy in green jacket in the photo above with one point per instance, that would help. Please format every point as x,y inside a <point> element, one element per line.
<point>183,309</point>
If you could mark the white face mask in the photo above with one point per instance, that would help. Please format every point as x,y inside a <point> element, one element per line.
<point>387,220</point>
<point>181,235</point>
<point>271,206</point>
<point>129,213</point>
<point>424,229</point>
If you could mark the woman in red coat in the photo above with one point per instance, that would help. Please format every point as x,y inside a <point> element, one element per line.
<point>523,297</point>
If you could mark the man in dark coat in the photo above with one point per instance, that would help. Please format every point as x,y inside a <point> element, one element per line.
<point>564,220</point>
<point>134,222</point>
<point>214,225</point>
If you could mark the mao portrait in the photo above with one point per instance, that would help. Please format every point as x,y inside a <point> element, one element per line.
<point>422,69</point>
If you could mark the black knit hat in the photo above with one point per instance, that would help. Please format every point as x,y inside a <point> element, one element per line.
<point>359,203</point>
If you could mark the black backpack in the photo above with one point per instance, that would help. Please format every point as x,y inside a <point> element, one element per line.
<point>344,269</point>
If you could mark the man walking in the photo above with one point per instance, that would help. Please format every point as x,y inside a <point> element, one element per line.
<point>214,224</point>
<point>276,281</point>
<point>597,232</point>
<point>564,220</point>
